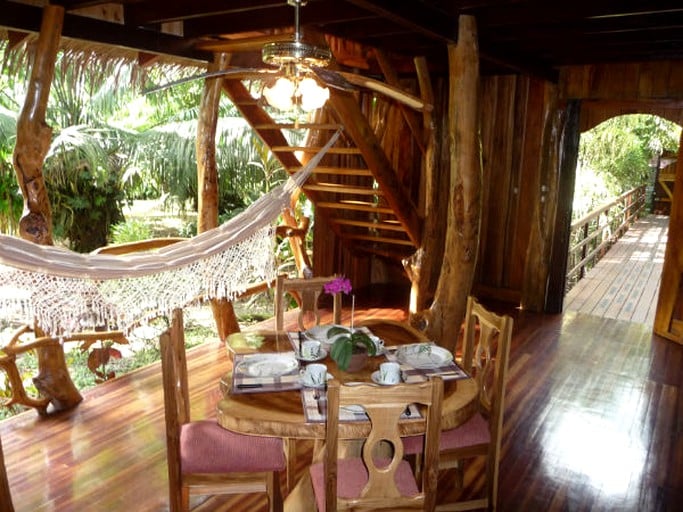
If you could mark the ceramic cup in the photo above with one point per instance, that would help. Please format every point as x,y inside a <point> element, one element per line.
<point>389,373</point>
<point>310,349</point>
<point>314,375</point>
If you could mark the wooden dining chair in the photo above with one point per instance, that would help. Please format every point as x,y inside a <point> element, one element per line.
<point>307,292</point>
<point>377,481</point>
<point>486,349</point>
<point>203,457</point>
<point>5,496</point>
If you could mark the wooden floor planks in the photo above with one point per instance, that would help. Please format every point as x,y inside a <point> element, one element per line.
<point>592,422</point>
<point>625,282</point>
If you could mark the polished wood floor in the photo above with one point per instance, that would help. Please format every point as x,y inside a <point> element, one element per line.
<point>593,422</point>
<point>625,282</point>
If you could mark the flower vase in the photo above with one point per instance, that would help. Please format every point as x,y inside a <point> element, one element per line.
<point>359,358</point>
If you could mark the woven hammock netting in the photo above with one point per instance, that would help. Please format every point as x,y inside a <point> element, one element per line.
<point>67,292</point>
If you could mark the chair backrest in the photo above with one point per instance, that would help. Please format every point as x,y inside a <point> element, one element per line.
<point>176,399</point>
<point>306,291</point>
<point>384,408</point>
<point>486,350</point>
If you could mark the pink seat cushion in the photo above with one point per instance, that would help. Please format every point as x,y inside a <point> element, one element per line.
<point>206,447</point>
<point>475,431</point>
<point>352,475</point>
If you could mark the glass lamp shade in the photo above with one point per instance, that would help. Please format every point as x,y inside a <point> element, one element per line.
<point>312,95</point>
<point>280,94</point>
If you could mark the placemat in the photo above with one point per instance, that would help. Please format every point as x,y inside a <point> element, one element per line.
<point>315,408</point>
<point>243,383</point>
<point>449,371</point>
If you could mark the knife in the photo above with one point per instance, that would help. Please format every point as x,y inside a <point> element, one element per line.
<point>249,386</point>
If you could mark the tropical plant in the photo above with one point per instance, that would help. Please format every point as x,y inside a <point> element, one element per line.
<point>347,341</point>
<point>618,155</point>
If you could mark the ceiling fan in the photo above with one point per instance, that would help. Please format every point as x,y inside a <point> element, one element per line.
<point>299,69</point>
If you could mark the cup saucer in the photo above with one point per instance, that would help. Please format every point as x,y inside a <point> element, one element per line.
<point>321,355</point>
<point>376,379</point>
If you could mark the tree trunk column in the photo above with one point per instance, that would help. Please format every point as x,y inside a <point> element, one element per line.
<point>33,133</point>
<point>33,142</point>
<point>464,205</point>
<point>207,182</point>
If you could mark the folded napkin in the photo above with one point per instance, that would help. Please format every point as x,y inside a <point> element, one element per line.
<point>244,383</point>
<point>315,408</point>
<point>447,371</point>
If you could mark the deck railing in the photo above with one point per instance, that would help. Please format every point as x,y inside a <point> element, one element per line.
<point>592,235</point>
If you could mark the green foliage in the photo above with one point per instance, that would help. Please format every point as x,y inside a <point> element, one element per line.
<point>131,230</point>
<point>346,342</point>
<point>622,148</point>
<point>617,155</point>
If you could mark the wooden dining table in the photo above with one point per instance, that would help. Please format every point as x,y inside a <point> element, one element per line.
<point>281,413</point>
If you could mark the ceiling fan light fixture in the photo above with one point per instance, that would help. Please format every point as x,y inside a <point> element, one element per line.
<point>281,94</point>
<point>299,53</point>
<point>312,95</point>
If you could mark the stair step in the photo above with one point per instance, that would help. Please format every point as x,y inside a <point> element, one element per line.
<point>336,188</point>
<point>309,149</point>
<point>342,171</point>
<point>380,239</point>
<point>388,225</point>
<point>359,206</point>
<point>298,126</point>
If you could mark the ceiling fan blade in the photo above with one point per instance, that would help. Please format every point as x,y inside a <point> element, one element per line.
<point>237,73</point>
<point>388,90</point>
<point>333,79</point>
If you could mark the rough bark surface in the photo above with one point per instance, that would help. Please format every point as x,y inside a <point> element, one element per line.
<point>464,212</point>
<point>33,142</point>
<point>34,135</point>
<point>207,183</point>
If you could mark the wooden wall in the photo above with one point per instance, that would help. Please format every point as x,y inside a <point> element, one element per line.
<point>511,134</point>
<point>513,116</point>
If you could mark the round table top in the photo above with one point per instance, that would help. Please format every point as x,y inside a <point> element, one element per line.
<point>281,413</point>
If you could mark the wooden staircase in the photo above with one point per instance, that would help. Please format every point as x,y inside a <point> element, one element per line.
<point>355,188</point>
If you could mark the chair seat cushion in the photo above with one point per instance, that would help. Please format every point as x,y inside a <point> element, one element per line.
<point>473,432</point>
<point>206,447</point>
<point>352,475</point>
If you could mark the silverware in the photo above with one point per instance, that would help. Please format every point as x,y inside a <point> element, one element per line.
<point>249,386</point>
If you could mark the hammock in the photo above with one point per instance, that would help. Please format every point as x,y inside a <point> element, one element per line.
<point>67,292</point>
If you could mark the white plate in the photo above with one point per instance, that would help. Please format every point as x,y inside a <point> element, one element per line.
<point>321,355</point>
<point>267,365</point>
<point>423,355</point>
<point>375,378</point>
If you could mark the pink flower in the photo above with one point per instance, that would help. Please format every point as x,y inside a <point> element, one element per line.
<point>338,284</point>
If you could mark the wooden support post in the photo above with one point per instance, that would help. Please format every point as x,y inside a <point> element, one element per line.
<point>669,315</point>
<point>34,135</point>
<point>422,264</point>
<point>464,205</point>
<point>207,182</point>
<point>33,142</point>
<point>546,186</point>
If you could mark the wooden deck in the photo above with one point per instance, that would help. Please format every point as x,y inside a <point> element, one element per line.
<point>625,282</point>
<point>592,422</point>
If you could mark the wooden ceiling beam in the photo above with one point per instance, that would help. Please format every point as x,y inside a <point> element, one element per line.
<point>417,16</point>
<point>282,16</point>
<point>163,11</point>
<point>27,18</point>
<point>543,12</point>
